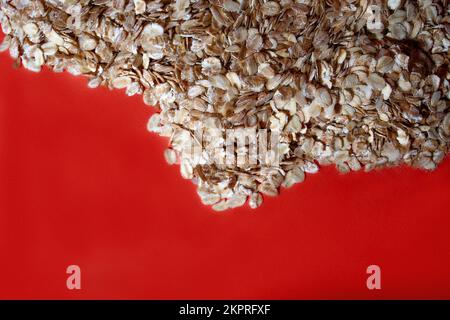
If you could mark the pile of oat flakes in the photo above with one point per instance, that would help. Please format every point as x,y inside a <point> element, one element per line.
<point>359,84</point>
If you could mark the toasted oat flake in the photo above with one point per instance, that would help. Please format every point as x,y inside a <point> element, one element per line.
<point>232,6</point>
<point>139,6</point>
<point>270,8</point>
<point>171,156</point>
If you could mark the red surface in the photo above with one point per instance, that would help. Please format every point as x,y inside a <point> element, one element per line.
<point>82,182</point>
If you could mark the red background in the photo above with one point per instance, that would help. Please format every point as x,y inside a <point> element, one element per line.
<point>82,182</point>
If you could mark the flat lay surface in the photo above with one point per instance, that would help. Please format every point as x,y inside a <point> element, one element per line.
<point>82,182</point>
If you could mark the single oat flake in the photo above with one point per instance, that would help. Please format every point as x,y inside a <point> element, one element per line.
<point>361,84</point>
